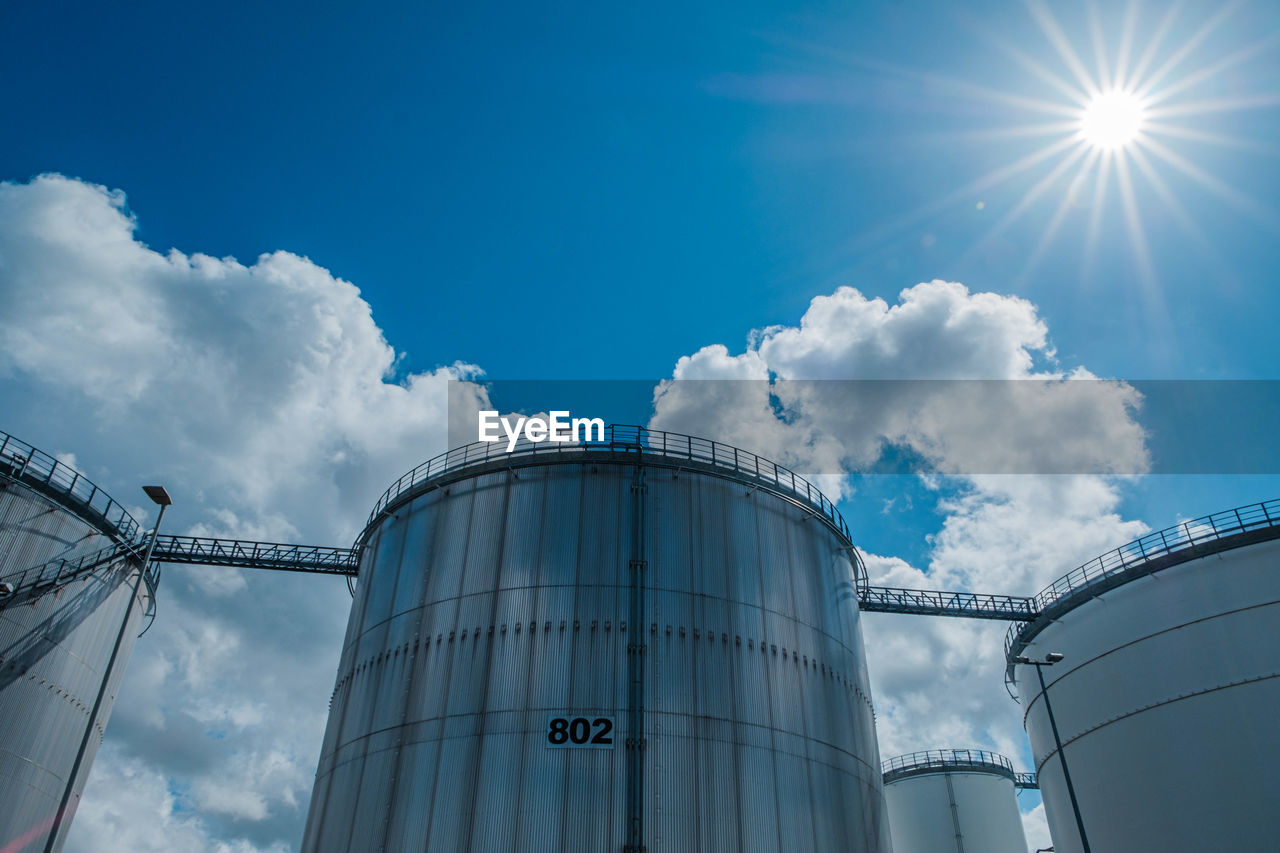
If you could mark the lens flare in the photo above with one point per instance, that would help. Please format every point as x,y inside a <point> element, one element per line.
<point>1112,120</point>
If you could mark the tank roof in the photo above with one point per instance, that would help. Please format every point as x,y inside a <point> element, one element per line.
<point>1163,549</point>
<point>621,443</point>
<point>43,473</point>
<point>947,760</point>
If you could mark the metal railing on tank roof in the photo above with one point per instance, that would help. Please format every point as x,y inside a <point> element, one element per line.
<point>625,439</point>
<point>1161,549</point>
<point>31,466</point>
<point>946,759</point>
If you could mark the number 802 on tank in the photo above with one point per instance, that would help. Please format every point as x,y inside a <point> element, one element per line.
<point>565,732</point>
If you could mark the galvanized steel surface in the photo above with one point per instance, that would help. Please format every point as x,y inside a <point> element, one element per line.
<point>1166,701</point>
<point>54,651</point>
<point>714,623</point>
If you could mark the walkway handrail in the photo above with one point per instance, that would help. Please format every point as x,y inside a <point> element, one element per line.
<point>624,439</point>
<point>61,571</point>
<point>1186,535</point>
<point>32,466</point>
<point>248,554</point>
<point>1159,550</point>
<point>932,602</point>
<point>945,759</point>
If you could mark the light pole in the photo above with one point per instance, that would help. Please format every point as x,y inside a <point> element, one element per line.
<point>1049,660</point>
<point>161,498</point>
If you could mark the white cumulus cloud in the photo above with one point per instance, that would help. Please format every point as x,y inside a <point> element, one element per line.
<point>969,383</point>
<point>267,399</point>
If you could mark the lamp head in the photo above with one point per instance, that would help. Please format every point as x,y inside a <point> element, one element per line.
<point>158,495</point>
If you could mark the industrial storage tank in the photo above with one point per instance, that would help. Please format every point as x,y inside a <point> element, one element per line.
<point>68,619</point>
<point>1166,695</point>
<point>953,801</point>
<point>648,642</point>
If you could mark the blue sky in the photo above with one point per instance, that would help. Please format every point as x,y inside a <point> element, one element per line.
<point>588,192</point>
<point>650,177</point>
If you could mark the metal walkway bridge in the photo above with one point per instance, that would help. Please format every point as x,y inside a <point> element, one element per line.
<point>189,550</point>
<point>314,559</point>
<point>926,602</point>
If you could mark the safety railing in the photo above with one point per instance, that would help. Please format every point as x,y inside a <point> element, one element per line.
<point>928,602</point>
<point>943,759</point>
<point>60,571</point>
<point>1187,540</point>
<point>20,461</point>
<point>241,553</point>
<point>624,439</point>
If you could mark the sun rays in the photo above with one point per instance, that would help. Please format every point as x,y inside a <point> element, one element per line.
<point>1123,116</point>
<point>1128,114</point>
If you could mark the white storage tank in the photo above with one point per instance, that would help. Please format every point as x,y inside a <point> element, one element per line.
<point>1167,694</point>
<point>953,801</point>
<point>647,643</point>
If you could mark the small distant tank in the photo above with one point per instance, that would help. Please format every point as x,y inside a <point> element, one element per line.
<point>953,801</point>
<point>1166,696</point>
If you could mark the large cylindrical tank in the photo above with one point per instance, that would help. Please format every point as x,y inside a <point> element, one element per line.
<point>58,640</point>
<point>1167,695</point>
<point>953,801</point>
<point>649,643</point>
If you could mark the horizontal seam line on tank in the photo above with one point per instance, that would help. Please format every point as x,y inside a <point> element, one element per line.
<point>812,664</point>
<point>35,764</point>
<point>66,696</point>
<point>1143,639</point>
<point>1160,704</point>
<point>768,610</point>
<point>400,745</point>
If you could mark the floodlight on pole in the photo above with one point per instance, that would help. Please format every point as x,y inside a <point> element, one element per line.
<point>161,498</point>
<point>158,496</point>
<point>1049,660</point>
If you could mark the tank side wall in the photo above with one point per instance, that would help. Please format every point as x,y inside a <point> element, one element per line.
<point>490,607</point>
<point>986,817</point>
<point>1166,705</point>
<point>54,653</point>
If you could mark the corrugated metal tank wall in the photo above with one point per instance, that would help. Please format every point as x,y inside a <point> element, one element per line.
<point>494,603</point>
<point>54,653</point>
<point>1167,704</point>
<point>954,811</point>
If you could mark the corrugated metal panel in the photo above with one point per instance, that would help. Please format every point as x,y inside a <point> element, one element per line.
<point>54,654</point>
<point>1166,704</point>
<point>507,598</point>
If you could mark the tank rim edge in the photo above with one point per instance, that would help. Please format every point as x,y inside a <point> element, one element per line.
<point>937,761</point>
<point>612,451</point>
<point>15,468</point>
<point>1245,533</point>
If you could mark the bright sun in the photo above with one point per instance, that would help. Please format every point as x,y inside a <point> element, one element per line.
<point>1112,120</point>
